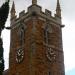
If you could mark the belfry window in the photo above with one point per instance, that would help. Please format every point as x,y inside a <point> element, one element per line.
<point>21,35</point>
<point>46,35</point>
<point>47,32</point>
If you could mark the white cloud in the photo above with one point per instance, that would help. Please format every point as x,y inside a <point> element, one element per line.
<point>69,44</point>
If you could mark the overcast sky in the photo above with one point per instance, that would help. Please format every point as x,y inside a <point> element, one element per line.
<point>68,17</point>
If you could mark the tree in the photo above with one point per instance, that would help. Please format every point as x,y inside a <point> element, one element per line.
<point>4,10</point>
<point>1,57</point>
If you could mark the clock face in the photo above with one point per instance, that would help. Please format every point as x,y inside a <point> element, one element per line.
<point>50,54</point>
<point>19,55</point>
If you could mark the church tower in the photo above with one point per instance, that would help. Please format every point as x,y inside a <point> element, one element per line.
<point>36,42</point>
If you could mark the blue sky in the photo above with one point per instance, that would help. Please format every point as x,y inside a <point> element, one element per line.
<point>68,32</point>
<point>71,72</point>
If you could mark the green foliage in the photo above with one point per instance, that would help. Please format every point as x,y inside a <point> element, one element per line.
<point>1,64</point>
<point>4,10</point>
<point>1,73</point>
<point>1,51</point>
<point>1,57</point>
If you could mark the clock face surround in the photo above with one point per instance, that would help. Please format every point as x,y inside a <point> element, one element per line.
<point>50,54</point>
<point>19,55</point>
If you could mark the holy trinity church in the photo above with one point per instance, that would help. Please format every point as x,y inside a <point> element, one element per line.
<point>36,42</point>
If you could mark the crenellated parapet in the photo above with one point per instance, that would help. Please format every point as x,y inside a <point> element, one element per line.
<point>22,13</point>
<point>48,13</point>
<point>36,10</point>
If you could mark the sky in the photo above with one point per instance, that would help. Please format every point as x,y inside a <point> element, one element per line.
<point>68,17</point>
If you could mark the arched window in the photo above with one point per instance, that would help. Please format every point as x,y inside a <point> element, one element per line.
<point>47,31</point>
<point>46,35</point>
<point>21,34</point>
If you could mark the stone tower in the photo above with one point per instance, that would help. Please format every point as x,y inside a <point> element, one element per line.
<point>36,42</point>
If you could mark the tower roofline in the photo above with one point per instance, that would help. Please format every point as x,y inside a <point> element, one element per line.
<point>36,9</point>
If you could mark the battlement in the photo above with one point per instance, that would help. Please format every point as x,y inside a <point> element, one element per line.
<point>48,13</point>
<point>37,10</point>
<point>22,13</point>
<point>34,8</point>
